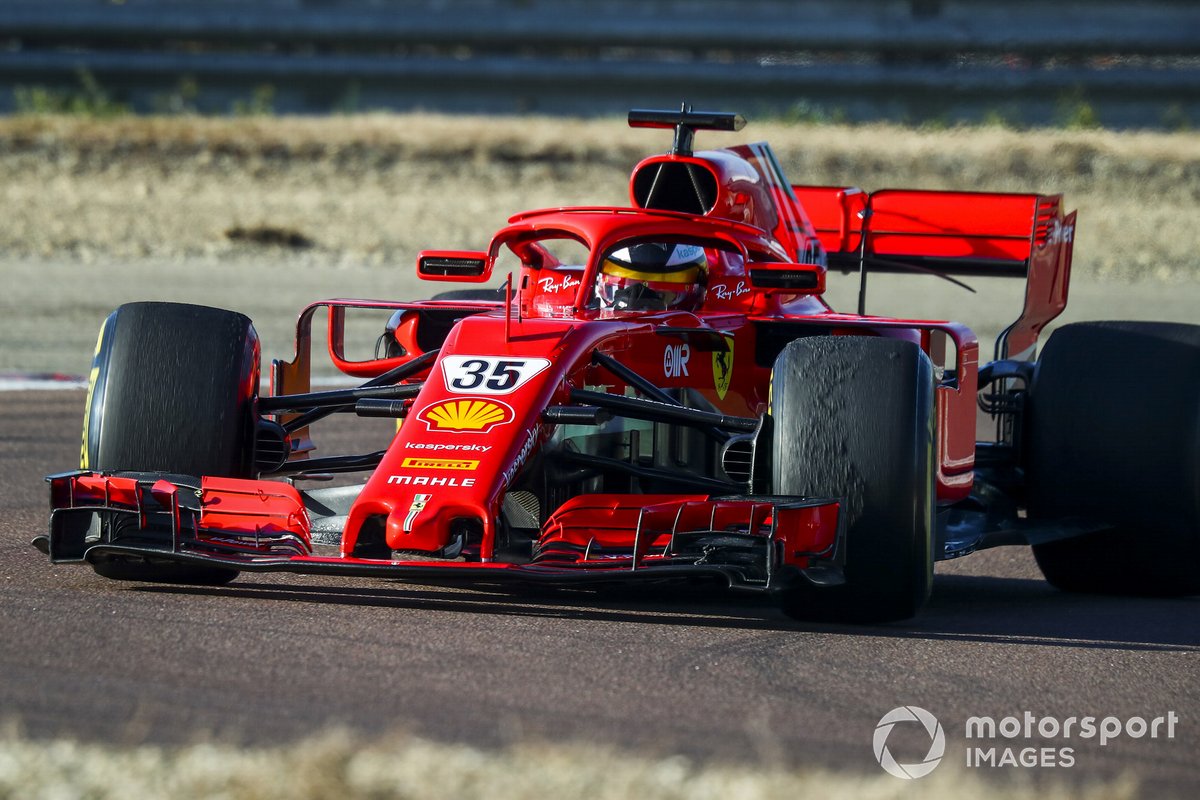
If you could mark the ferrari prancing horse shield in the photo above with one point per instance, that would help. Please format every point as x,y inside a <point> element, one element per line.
<point>723,368</point>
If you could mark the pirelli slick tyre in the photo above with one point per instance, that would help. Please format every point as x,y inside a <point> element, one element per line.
<point>1113,439</point>
<point>854,419</point>
<point>172,389</point>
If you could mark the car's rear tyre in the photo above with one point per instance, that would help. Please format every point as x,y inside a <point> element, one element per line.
<point>854,419</point>
<point>172,389</point>
<point>1114,437</point>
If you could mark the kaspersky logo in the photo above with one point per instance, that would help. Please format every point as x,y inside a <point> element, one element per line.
<point>471,415</point>
<point>903,715</point>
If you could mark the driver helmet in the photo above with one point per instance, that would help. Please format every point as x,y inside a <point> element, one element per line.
<point>652,276</point>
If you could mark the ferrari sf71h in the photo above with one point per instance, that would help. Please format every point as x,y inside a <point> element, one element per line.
<point>660,393</point>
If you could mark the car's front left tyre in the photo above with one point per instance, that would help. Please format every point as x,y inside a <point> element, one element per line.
<point>854,421</point>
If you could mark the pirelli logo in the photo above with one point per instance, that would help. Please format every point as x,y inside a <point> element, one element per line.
<point>439,463</point>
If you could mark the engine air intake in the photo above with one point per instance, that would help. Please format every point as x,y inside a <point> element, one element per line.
<point>682,186</point>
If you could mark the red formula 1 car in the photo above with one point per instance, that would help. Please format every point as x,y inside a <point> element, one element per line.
<point>659,393</point>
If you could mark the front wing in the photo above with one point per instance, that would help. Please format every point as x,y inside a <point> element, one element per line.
<point>754,543</point>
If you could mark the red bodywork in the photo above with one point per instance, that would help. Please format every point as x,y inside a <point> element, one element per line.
<point>482,420</point>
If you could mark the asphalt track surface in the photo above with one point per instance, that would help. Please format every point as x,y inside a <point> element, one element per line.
<point>270,659</point>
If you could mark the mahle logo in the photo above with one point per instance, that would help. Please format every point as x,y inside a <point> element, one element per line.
<point>937,742</point>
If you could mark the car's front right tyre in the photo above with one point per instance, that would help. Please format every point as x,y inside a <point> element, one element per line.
<point>172,389</point>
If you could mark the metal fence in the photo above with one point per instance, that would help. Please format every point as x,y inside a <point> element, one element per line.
<point>1126,64</point>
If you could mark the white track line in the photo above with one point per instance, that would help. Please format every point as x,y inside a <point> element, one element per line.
<point>39,383</point>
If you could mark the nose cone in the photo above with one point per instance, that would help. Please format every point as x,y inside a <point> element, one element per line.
<point>426,523</point>
<point>469,430</point>
<point>449,461</point>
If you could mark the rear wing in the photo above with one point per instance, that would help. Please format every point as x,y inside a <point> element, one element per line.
<point>953,233</point>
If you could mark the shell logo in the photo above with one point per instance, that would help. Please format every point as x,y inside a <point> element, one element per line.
<point>465,416</point>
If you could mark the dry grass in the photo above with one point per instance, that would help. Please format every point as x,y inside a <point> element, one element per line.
<point>374,189</point>
<point>101,212</point>
<point>339,765</point>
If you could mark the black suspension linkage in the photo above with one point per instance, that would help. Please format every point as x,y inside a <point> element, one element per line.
<point>656,411</point>
<point>653,392</point>
<point>327,464</point>
<point>313,411</point>
<point>336,398</point>
<point>602,463</point>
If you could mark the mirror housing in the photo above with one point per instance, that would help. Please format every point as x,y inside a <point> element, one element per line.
<point>785,278</point>
<point>464,266</point>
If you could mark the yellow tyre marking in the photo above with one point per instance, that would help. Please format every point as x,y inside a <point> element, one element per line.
<point>87,407</point>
